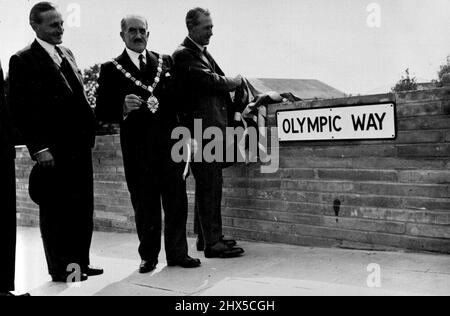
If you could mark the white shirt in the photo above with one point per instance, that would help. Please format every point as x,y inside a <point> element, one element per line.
<point>202,49</point>
<point>135,57</point>
<point>50,49</point>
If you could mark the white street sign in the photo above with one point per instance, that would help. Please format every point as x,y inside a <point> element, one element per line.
<point>359,122</point>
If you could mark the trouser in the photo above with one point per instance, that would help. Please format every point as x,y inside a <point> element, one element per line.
<point>7,223</point>
<point>66,203</point>
<point>153,178</point>
<point>169,188</point>
<point>208,200</point>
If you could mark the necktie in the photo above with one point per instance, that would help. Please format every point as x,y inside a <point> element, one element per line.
<point>142,64</point>
<point>67,71</point>
<point>208,58</point>
<point>57,56</point>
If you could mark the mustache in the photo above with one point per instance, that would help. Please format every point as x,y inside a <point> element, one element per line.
<point>138,40</point>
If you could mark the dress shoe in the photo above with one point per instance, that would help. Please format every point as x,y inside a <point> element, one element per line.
<point>92,271</point>
<point>186,262</point>
<point>221,250</point>
<point>147,266</point>
<point>69,278</point>
<point>229,242</point>
<point>8,294</point>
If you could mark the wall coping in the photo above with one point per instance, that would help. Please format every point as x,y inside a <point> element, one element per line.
<point>419,95</point>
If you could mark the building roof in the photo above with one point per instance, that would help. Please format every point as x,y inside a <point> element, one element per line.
<point>426,85</point>
<point>302,88</point>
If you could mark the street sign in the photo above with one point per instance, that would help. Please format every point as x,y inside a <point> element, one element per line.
<point>360,122</point>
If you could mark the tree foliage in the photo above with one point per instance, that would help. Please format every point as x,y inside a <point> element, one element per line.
<point>90,80</point>
<point>444,73</point>
<point>407,83</point>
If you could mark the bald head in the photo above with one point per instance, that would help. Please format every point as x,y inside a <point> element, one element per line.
<point>128,18</point>
<point>135,33</point>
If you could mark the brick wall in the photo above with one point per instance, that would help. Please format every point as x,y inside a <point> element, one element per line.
<point>393,194</point>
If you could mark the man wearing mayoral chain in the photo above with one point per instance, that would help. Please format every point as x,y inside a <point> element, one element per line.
<point>135,90</point>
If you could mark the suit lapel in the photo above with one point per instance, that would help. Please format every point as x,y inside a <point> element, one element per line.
<point>72,64</point>
<point>214,64</point>
<point>151,69</point>
<point>152,66</point>
<point>188,44</point>
<point>125,61</point>
<point>128,65</point>
<point>47,63</point>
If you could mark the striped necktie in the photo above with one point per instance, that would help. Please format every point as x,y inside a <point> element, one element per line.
<point>142,64</point>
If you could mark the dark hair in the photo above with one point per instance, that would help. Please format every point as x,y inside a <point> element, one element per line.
<point>194,15</point>
<point>41,7</point>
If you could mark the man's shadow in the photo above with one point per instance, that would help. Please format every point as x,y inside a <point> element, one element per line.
<point>168,281</point>
<point>52,289</point>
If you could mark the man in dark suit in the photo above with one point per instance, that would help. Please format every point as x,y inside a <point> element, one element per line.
<point>7,199</point>
<point>52,113</point>
<point>135,91</point>
<point>204,91</point>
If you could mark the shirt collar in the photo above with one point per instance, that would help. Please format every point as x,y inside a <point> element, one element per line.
<point>135,56</point>
<point>49,48</point>
<point>200,47</point>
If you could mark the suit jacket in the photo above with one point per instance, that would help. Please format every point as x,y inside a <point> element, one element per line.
<point>6,135</point>
<point>203,90</point>
<point>48,111</point>
<point>141,126</point>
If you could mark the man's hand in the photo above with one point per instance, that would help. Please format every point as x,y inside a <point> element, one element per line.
<point>132,103</point>
<point>238,117</point>
<point>194,148</point>
<point>45,159</point>
<point>239,80</point>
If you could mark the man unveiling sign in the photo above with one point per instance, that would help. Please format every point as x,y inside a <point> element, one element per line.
<point>376,121</point>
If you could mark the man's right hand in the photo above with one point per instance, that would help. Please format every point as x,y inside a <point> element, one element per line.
<point>194,148</point>
<point>132,103</point>
<point>45,159</point>
<point>239,80</point>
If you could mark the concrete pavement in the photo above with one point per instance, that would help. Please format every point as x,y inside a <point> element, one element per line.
<point>265,270</point>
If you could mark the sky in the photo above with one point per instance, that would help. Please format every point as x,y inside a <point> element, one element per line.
<point>356,46</point>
